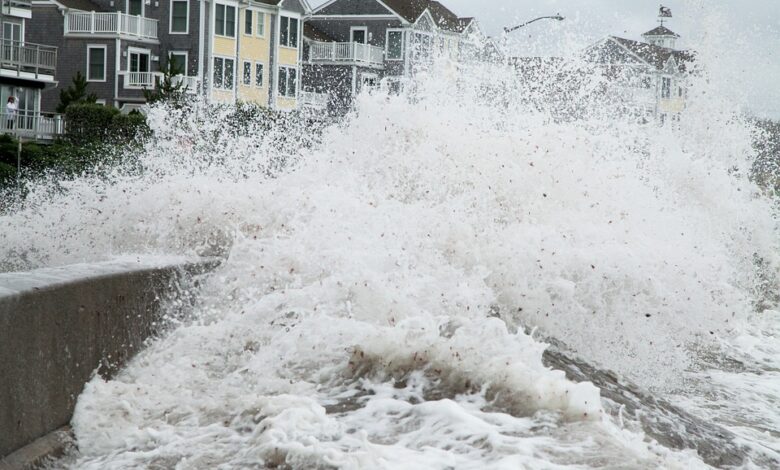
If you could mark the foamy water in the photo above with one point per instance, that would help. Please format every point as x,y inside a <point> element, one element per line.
<point>373,307</point>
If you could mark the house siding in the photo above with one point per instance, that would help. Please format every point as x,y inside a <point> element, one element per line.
<point>181,42</point>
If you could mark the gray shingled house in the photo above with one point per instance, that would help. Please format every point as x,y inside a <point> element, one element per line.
<point>28,65</point>
<point>353,44</point>
<point>117,44</point>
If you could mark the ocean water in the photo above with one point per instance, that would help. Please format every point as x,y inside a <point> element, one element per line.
<point>389,289</point>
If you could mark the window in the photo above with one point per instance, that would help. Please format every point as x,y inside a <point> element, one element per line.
<point>178,62</point>
<point>260,30</point>
<point>288,78</point>
<point>223,73</point>
<point>288,35</point>
<point>180,16</point>
<point>247,77</point>
<point>666,87</point>
<point>225,20</point>
<point>135,7</point>
<point>96,63</point>
<point>395,45</point>
<point>248,23</point>
<point>258,74</point>
<point>358,34</point>
<point>680,92</point>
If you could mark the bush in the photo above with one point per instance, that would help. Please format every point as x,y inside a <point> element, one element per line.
<point>88,123</point>
<point>129,127</point>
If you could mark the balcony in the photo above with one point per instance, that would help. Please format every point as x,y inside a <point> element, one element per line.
<point>33,126</point>
<point>113,23</point>
<point>26,60</point>
<point>18,8</point>
<point>347,53</point>
<point>313,100</point>
<point>140,80</point>
<point>191,83</point>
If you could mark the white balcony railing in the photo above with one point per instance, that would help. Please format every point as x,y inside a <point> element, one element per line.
<point>121,24</point>
<point>141,80</point>
<point>310,99</point>
<point>348,52</point>
<point>191,83</point>
<point>27,57</point>
<point>38,126</point>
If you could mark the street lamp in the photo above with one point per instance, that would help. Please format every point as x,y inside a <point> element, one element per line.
<point>556,17</point>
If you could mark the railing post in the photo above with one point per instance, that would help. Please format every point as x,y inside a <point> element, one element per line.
<point>92,22</point>
<point>118,22</point>
<point>333,54</point>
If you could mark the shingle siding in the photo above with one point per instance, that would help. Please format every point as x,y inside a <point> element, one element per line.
<point>340,29</point>
<point>181,42</point>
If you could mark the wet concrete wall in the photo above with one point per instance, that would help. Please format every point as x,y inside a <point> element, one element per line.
<point>60,326</point>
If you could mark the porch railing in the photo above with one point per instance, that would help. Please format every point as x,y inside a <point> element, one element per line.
<point>351,52</point>
<point>20,4</point>
<point>313,100</point>
<point>28,57</point>
<point>191,83</point>
<point>31,125</point>
<point>90,22</point>
<point>141,79</point>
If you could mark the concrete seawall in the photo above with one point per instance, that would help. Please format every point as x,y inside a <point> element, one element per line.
<point>59,326</point>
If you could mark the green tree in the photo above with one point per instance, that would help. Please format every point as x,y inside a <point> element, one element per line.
<point>75,93</point>
<point>168,89</point>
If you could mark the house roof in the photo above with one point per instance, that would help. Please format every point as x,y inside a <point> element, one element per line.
<point>661,31</point>
<point>315,34</point>
<point>411,10</point>
<point>653,55</point>
<point>270,2</point>
<point>83,5</point>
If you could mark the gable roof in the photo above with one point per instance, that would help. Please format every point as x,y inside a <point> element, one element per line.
<point>411,10</point>
<point>654,55</point>
<point>661,31</point>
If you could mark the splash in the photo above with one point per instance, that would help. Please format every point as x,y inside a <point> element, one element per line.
<point>386,285</point>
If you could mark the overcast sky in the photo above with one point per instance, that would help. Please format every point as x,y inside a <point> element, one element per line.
<point>740,37</point>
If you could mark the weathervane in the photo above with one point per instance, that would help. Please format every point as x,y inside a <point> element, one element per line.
<point>664,13</point>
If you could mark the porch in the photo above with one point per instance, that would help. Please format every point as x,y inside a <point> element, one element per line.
<point>346,53</point>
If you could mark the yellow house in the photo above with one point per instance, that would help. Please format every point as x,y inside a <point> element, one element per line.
<point>255,52</point>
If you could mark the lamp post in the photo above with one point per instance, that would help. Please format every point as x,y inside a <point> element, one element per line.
<point>556,17</point>
<point>507,30</point>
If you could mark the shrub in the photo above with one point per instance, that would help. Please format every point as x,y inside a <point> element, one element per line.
<point>89,123</point>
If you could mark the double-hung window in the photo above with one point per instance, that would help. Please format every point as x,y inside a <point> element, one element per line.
<point>96,63</point>
<point>288,33</point>
<point>288,82</point>
<point>247,75</point>
<point>248,22</point>
<point>223,73</point>
<point>666,87</point>
<point>178,62</point>
<point>395,45</point>
<point>260,23</point>
<point>225,20</point>
<point>180,12</point>
<point>259,74</point>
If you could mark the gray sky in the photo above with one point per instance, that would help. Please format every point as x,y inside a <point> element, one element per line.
<point>741,38</point>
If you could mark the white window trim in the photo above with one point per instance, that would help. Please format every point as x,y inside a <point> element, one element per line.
<point>170,19</point>
<point>224,58</point>
<point>254,76</point>
<point>243,23</point>
<point>251,73</point>
<point>387,43</point>
<point>236,23</point>
<point>186,55</point>
<point>105,61</point>
<point>300,29</point>
<point>257,13</point>
<point>297,81</point>
<point>143,8</point>
<point>352,30</point>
